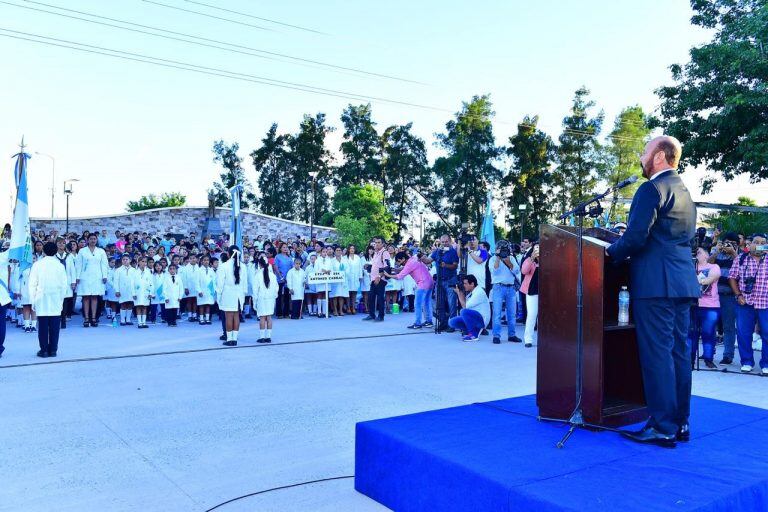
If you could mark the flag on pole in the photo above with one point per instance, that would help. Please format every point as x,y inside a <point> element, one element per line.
<point>236,232</point>
<point>487,233</point>
<point>21,236</point>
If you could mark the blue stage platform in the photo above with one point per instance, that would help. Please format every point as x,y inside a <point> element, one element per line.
<point>480,458</point>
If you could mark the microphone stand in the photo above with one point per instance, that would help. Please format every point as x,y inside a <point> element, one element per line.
<point>584,209</point>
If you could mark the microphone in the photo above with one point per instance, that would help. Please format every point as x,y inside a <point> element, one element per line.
<point>625,183</point>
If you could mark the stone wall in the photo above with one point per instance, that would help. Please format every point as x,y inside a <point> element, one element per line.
<point>180,220</point>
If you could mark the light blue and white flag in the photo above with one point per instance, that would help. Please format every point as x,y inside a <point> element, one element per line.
<point>236,230</point>
<point>487,233</point>
<point>21,237</point>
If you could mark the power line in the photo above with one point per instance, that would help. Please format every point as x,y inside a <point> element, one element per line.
<point>208,71</point>
<point>265,54</point>
<point>208,15</point>
<point>258,17</point>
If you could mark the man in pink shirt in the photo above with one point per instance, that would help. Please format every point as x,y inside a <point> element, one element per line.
<point>420,273</point>
<point>379,262</point>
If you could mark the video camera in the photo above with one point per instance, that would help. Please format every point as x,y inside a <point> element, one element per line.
<point>504,249</point>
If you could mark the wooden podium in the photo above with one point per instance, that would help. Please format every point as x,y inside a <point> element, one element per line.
<point>612,382</point>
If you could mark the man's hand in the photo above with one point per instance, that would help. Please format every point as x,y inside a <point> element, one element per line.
<point>117,294</point>
<point>135,297</point>
<point>742,300</point>
<point>104,281</point>
<point>186,291</point>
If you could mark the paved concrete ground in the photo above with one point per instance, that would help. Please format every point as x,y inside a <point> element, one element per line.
<point>189,430</point>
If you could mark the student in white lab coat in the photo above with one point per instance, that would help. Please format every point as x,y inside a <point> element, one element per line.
<point>231,285</point>
<point>294,281</point>
<point>250,269</point>
<point>266,290</point>
<point>48,287</point>
<point>5,295</point>
<point>92,269</point>
<point>111,303</point>
<point>206,290</point>
<point>68,262</point>
<point>310,294</point>
<point>173,291</point>
<point>354,274</point>
<point>145,291</point>
<point>323,265</point>
<point>158,302</point>
<point>24,301</point>
<point>189,276</point>
<point>125,289</point>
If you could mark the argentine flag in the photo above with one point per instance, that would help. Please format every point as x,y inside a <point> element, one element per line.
<point>236,231</point>
<point>486,232</point>
<point>21,238</point>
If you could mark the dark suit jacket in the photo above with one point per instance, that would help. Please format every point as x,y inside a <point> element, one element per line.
<point>662,223</point>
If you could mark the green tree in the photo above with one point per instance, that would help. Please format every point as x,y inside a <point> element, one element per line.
<point>468,168</point>
<point>273,167</point>
<point>405,164</point>
<point>745,223</point>
<point>718,106</point>
<point>361,150</point>
<point>579,154</point>
<point>308,154</point>
<point>151,201</point>
<point>354,231</point>
<point>532,152</point>
<point>365,203</point>
<point>625,145</point>
<point>233,174</point>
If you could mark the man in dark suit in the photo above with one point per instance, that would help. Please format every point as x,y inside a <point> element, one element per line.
<point>663,285</point>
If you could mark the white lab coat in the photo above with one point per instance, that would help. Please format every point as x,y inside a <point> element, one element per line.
<point>158,281</point>
<point>265,295</point>
<point>206,284</point>
<point>125,283</point>
<point>189,276</point>
<point>22,286</point>
<point>354,271</point>
<point>231,295</point>
<point>5,285</point>
<point>69,268</point>
<point>145,286</point>
<point>173,291</point>
<point>340,289</point>
<point>295,280</point>
<point>109,287</point>
<point>48,286</point>
<point>251,270</point>
<point>92,268</point>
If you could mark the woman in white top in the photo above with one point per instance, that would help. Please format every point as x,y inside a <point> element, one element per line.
<point>265,291</point>
<point>206,289</point>
<point>354,265</point>
<point>323,265</point>
<point>92,270</point>
<point>365,286</point>
<point>145,291</point>
<point>339,291</point>
<point>231,285</point>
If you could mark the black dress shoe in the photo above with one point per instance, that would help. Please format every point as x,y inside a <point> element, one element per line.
<point>514,339</point>
<point>230,343</point>
<point>650,435</point>
<point>40,353</point>
<point>710,364</point>
<point>223,337</point>
<point>51,354</point>
<point>267,340</point>
<point>683,433</point>
<point>369,318</point>
<point>450,329</point>
<point>726,360</point>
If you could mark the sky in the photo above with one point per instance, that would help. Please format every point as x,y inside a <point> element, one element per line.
<point>125,129</point>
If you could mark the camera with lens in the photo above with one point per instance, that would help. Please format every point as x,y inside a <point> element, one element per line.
<point>503,249</point>
<point>368,267</point>
<point>749,284</point>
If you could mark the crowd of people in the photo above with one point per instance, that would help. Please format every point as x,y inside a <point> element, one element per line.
<point>140,279</point>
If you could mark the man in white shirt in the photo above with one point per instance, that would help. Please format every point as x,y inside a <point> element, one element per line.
<point>476,258</point>
<point>476,310</point>
<point>48,287</point>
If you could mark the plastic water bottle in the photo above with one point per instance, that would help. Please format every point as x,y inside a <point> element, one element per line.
<point>114,321</point>
<point>623,306</point>
<point>395,308</point>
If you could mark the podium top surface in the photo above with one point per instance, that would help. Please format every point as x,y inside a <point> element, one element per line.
<point>597,236</point>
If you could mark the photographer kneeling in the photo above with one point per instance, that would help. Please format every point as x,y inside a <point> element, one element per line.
<point>476,309</point>
<point>505,277</point>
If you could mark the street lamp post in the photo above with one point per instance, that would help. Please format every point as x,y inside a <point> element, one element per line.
<point>313,175</point>
<point>68,192</point>
<point>522,221</point>
<point>421,226</point>
<point>53,177</point>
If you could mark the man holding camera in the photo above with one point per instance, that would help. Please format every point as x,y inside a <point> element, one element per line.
<point>505,279</point>
<point>475,312</point>
<point>748,278</point>
<point>723,255</point>
<point>476,258</point>
<point>379,265</point>
<point>447,260</point>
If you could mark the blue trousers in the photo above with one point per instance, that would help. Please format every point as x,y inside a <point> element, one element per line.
<point>469,321</point>
<point>665,359</point>
<point>703,324</point>
<point>423,305</point>
<point>2,327</point>
<point>504,297</point>
<point>48,333</point>
<point>746,316</point>
<point>728,316</point>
